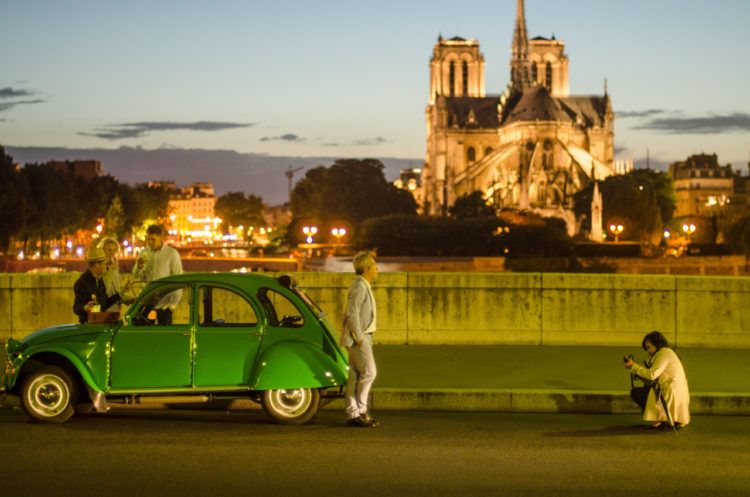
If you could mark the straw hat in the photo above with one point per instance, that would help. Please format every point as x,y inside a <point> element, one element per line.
<point>95,254</point>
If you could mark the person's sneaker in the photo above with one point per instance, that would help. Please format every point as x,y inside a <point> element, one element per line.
<point>362,421</point>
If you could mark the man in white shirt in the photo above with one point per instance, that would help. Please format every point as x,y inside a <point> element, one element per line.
<point>360,323</point>
<point>156,261</point>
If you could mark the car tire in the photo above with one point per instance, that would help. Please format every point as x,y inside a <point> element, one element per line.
<point>49,395</point>
<point>291,406</point>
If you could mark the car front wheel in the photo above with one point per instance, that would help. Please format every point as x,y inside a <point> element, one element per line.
<point>291,406</point>
<point>49,395</point>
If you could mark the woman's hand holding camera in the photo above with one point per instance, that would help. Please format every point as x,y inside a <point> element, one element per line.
<point>628,361</point>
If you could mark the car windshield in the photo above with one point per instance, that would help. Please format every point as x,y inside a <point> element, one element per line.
<point>309,303</point>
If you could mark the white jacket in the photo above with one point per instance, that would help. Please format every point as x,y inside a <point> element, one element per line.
<point>667,369</point>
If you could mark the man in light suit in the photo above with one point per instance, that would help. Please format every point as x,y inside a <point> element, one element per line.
<point>360,322</point>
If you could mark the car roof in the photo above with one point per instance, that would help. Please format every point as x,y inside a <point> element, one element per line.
<point>237,279</point>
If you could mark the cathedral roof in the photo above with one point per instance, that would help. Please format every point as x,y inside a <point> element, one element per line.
<point>591,109</point>
<point>472,112</point>
<point>537,104</point>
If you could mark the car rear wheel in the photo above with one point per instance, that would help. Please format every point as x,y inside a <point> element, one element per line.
<point>49,395</point>
<point>291,406</point>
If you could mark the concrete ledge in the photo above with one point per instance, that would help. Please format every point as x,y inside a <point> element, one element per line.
<point>543,401</point>
<point>470,400</point>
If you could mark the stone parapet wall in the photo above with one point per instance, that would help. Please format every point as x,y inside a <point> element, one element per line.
<point>480,308</point>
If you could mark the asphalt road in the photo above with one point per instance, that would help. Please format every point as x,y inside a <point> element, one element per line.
<point>166,453</point>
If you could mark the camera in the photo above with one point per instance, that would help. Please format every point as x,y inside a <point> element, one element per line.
<point>627,358</point>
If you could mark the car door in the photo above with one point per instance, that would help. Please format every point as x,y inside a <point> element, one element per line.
<point>149,351</point>
<point>227,337</point>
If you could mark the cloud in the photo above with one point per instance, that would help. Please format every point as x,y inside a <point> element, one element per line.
<point>362,142</point>
<point>736,122</point>
<point>9,105</point>
<point>638,113</point>
<point>287,137</point>
<point>138,129</point>
<point>10,92</point>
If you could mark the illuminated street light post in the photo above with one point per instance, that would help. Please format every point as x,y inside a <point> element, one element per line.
<point>689,229</point>
<point>338,233</point>
<point>309,232</point>
<point>616,230</point>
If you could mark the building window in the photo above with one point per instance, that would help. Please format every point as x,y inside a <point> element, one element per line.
<point>487,151</point>
<point>465,69</point>
<point>548,76</point>
<point>534,72</point>
<point>452,78</point>
<point>471,154</point>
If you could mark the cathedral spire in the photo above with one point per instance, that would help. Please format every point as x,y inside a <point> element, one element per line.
<point>519,64</point>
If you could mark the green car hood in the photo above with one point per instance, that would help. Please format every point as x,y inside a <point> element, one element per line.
<point>56,333</point>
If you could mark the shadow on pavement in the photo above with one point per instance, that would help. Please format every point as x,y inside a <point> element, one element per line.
<point>609,431</point>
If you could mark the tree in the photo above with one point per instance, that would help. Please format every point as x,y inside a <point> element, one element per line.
<point>237,209</point>
<point>471,205</point>
<point>351,190</point>
<point>13,201</point>
<point>643,198</point>
<point>115,217</point>
<point>54,209</point>
<point>737,236</point>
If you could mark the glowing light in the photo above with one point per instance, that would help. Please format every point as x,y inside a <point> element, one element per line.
<point>79,251</point>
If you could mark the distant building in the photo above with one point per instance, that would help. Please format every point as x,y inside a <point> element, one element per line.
<point>531,148</point>
<point>191,210</point>
<point>86,169</point>
<point>702,187</point>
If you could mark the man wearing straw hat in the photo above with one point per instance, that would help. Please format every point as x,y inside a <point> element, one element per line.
<point>89,288</point>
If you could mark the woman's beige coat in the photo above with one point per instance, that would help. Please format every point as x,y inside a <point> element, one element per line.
<point>667,369</point>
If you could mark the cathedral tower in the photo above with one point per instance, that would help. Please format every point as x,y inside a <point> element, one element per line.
<point>456,69</point>
<point>520,68</point>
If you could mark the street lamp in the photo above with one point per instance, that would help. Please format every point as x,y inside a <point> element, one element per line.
<point>689,229</point>
<point>338,233</point>
<point>309,232</point>
<point>616,230</point>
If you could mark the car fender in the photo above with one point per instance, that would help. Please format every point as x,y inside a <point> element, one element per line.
<point>296,365</point>
<point>34,352</point>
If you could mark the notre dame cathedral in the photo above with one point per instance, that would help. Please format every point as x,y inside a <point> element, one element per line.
<point>530,148</point>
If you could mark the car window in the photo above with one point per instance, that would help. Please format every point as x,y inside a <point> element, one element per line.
<point>222,307</point>
<point>280,310</point>
<point>171,299</point>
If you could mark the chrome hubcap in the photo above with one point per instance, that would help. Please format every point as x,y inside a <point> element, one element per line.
<point>290,403</point>
<point>48,395</point>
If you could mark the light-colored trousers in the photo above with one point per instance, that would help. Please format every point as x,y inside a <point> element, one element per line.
<point>362,373</point>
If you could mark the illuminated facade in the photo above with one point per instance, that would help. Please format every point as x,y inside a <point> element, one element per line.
<point>531,148</point>
<point>191,212</point>
<point>702,186</point>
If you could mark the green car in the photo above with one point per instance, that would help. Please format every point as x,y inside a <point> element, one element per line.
<point>232,336</point>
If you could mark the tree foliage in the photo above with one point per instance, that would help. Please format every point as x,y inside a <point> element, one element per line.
<point>643,198</point>
<point>471,205</point>
<point>351,190</point>
<point>14,200</point>
<point>737,236</point>
<point>40,203</point>
<point>237,209</point>
<point>479,236</point>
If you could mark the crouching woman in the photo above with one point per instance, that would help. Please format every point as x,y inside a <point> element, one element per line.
<point>666,368</point>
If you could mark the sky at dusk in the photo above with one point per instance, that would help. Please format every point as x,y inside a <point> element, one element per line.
<point>350,78</point>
